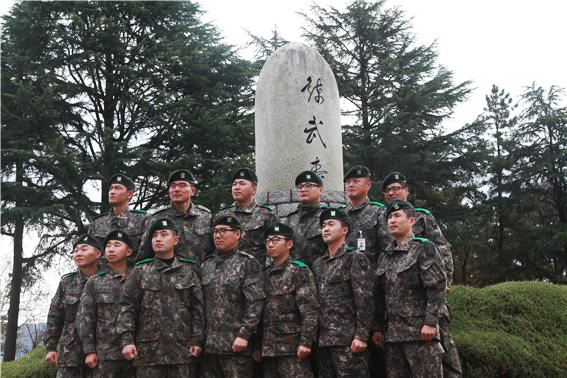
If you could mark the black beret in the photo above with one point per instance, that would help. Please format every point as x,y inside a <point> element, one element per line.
<point>396,205</point>
<point>181,175</point>
<point>121,179</point>
<point>393,177</point>
<point>334,213</point>
<point>357,171</point>
<point>162,224</point>
<point>308,176</point>
<point>86,239</point>
<point>117,235</point>
<point>245,174</point>
<point>228,220</point>
<point>279,229</point>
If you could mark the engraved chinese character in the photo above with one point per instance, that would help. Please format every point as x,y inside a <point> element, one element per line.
<point>317,167</point>
<point>318,89</point>
<point>313,132</point>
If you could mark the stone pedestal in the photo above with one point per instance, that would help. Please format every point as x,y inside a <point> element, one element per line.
<point>284,202</point>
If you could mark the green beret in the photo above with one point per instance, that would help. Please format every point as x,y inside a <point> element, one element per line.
<point>394,177</point>
<point>86,239</point>
<point>228,220</point>
<point>357,171</point>
<point>121,179</point>
<point>117,235</point>
<point>181,175</point>
<point>279,229</point>
<point>396,205</point>
<point>308,176</point>
<point>334,213</point>
<point>162,224</point>
<point>245,174</point>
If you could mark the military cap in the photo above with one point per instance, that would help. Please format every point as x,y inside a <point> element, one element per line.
<point>87,239</point>
<point>357,171</point>
<point>117,235</point>
<point>228,220</point>
<point>162,224</point>
<point>393,177</point>
<point>279,229</point>
<point>396,205</point>
<point>245,174</point>
<point>121,179</point>
<point>181,175</point>
<point>308,176</point>
<point>334,213</point>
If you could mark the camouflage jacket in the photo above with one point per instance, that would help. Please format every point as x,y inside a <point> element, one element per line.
<point>233,288</point>
<point>195,240</point>
<point>344,284</point>
<point>62,318</point>
<point>410,289</point>
<point>365,220</point>
<point>98,312</point>
<point>291,309</point>
<point>308,243</point>
<point>161,311</point>
<point>133,222</point>
<point>254,220</point>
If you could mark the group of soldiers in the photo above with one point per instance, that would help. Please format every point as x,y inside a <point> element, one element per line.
<point>352,291</point>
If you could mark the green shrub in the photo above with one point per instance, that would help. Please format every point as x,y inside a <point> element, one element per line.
<point>513,329</point>
<point>29,366</point>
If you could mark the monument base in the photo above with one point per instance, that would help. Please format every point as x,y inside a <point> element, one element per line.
<point>283,202</point>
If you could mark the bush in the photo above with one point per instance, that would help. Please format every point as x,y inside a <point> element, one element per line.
<point>513,329</point>
<point>29,366</point>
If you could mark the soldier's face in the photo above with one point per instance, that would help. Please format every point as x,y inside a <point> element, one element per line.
<point>400,224</point>
<point>117,251</point>
<point>309,193</point>
<point>85,255</point>
<point>396,191</point>
<point>164,241</point>
<point>225,238</point>
<point>119,194</point>
<point>278,246</point>
<point>181,191</point>
<point>333,230</point>
<point>243,190</point>
<point>357,187</point>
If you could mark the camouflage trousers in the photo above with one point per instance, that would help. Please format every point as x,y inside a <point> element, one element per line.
<point>166,371</point>
<point>286,366</point>
<point>450,359</point>
<point>226,366</point>
<point>417,359</point>
<point>340,362</point>
<point>74,372</point>
<point>113,369</point>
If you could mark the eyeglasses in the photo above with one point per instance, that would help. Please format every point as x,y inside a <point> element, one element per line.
<point>274,240</point>
<point>305,187</point>
<point>222,231</point>
<point>180,185</point>
<point>393,189</point>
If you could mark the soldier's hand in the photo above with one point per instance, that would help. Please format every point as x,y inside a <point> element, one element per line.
<point>377,339</point>
<point>358,346</point>
<point>239,345</point>
<point>129,352</point>
<point>51,358</point>
<point>91,360</point>
<point>427,332</point>
<point>257,356</point>
<point>195,351</point>
<point>303,352</point>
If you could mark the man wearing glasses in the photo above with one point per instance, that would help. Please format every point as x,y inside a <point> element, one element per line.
<point>234,299</point>
<point>308,243</point>
<point>192,220</point>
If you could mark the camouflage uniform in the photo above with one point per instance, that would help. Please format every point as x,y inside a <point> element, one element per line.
<point>234,299</point>
<point>61,326</point>
<point>98,312</point>
<point>410,294</point>
<point>161,313</point>
<point>133,222</point>
<point>365,217</point>
<point>289,320</point>
<point>195,240</point>
<point>254,220</point>
<point>308,243</point>
<point>344,284</point>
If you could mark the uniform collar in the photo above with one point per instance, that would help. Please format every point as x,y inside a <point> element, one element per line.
<point>224,255</point>
<point>403,246</point>
<point>191,212</point>
<point>248,209</point>
<point>358,207</point>
<point>309,208</point>
<point>340,253</point>
<point>162,266</point>
<point>281,267</point>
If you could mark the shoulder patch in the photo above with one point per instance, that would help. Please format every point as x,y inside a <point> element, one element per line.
<point>421,210</point>
<point>298,263</point>
<point>423,240</point>
<point>139,211</point>
<point>103,273</point>
<point>377,203</point>
<point>201,207</point>
<point>145,261</point>
<point>187,260</point>
<point>70,274</point>
<point>266,207</point>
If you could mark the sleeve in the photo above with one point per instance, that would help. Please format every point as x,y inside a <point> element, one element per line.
<point>253,290</point>
<point>55,321</point>
<point>379,321</point>
<point>87,317</point>
<point>432,275</point>
<point>197,311</point>
<point>361,281</point>
<point>129,307</point>
<point>145,251</point>
<point>306,300</point>
<point>433,232</point>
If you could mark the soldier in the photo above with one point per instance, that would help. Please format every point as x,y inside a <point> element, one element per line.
<point>363,213</point>
<point>99,309</point>
<point>395,187</point>
<point>410,294</point>
<point>289,322</point>
<point>120,217</point>
<point>253,218</point>
<point>63,312</point>
<point>344,282</point>
<point>161,320</point>
<point>193,221</point>
<point>234,299</point>
<point>308,243</point>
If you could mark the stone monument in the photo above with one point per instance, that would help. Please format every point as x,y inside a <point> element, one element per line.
<point>297,126</point>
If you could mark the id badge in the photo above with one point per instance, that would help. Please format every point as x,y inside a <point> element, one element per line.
<point>361,243</point>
